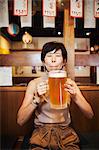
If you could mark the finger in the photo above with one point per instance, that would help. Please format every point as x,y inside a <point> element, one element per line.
<point>44,98</point>
<point>37,99</point>
<point>41,92</point>
<point>47,87</point>
<point>46,84</point>
<point>70,82</point>
<point>42,87</point>
<point>68,86</point>
<point>47,81</point>
<point>41,84</point>
<point>71,91</point>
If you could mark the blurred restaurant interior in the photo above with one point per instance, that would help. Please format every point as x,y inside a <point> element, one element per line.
<point>21,41</point>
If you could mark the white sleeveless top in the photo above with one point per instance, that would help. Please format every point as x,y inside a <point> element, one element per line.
<point>45,114</point>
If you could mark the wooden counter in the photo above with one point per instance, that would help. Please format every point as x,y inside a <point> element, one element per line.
<point>23,88</point>
<point>11,98</point>
<point>79,121</point>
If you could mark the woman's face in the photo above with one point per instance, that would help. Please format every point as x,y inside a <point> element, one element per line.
<point>54,60</point>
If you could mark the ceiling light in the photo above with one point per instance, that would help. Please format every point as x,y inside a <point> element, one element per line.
<point>92,49</point>
<point>27,38</point>
<point>59,33</point>
<point>88,33</point>
<point>62,4</point>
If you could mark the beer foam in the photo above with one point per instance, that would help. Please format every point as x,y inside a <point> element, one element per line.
<point>57,74</point>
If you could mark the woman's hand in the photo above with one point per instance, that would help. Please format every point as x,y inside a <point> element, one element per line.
<point>78,98</point>
<point>71,87</point>
<point>42,89</point>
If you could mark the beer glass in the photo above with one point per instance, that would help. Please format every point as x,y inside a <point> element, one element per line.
<point>58,96</point>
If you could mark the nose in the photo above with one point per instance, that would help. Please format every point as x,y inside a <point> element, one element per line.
<point>53,58</point>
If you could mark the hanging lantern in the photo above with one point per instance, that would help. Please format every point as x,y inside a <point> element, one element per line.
<point>13,29</point>
<point>27,38</point>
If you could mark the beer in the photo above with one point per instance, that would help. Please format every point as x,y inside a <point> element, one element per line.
<point>58,96</point>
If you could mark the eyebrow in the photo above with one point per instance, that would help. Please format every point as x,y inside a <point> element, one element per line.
<point>58,52</point>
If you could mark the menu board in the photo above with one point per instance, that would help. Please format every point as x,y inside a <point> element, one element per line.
<point>97,81</point>
<point>5,76</point>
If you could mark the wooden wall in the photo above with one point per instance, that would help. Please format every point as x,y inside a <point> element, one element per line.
<point>87,60</point>
<point>29,58</point>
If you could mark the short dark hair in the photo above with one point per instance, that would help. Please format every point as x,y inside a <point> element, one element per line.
<point>50,46</point>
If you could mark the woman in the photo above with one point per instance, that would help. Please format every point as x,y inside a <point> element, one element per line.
<point>52,127</point>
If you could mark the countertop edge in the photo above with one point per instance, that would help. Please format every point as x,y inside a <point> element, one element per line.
<point>23,88</point>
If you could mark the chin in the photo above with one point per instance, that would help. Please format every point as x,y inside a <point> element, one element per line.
<point>54,68</point>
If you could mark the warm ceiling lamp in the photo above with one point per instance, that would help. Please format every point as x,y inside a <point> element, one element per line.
<point>27,38</point>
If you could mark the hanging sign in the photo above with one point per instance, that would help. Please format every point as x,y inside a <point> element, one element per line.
<point>97,80</point>
<point>5,76</point>
<point>48,22</point>
<point>89,19</point>
<point>20,8</point>
<point>49,8</point>
<point>76,8</point>
<point>4,16</point>
<point>96,2</point>
<point>26,21</point>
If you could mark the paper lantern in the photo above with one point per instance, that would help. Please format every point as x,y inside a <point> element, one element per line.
<point>13,29</point>
<point>27,38</point>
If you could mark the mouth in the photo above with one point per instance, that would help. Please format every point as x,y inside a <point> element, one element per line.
<point>53,66</point>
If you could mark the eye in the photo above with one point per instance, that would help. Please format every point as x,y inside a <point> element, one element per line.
<point>49,55</point>
<point>58,55</point>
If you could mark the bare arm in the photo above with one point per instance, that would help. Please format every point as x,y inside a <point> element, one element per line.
<point>78,98</point>
<point>27,107</point>
<point>36,92</point>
